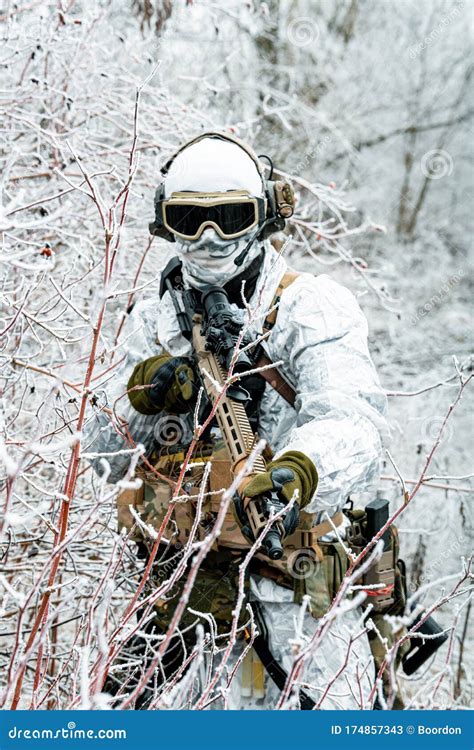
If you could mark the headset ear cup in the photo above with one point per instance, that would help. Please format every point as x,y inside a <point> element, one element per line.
<point>277,223</point>
<point>160,231</point>
<point>273,228</point>
<point>156,227</point>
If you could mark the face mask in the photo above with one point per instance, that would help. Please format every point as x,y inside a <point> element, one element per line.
<point>210,260</point>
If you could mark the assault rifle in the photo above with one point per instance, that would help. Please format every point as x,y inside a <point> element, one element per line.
<point>214,333</point>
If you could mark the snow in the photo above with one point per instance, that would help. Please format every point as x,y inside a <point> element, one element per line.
<point>366,106</point>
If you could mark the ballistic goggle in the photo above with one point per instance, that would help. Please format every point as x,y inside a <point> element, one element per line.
<point>231,214</point>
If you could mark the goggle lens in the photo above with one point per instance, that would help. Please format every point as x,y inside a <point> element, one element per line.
<point>231,218</point>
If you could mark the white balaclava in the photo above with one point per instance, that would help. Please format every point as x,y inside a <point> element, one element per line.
<point>208,166</point>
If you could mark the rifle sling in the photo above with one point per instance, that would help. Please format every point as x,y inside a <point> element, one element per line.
<point>274,669</point>
<point>273,376</point>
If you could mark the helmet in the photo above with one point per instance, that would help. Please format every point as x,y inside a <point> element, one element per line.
<point>217,180</point>
<point>215,202</point>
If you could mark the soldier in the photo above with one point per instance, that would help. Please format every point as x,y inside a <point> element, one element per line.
<point>321,419</point>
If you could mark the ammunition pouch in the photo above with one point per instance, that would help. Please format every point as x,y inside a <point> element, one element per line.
<point>385,580</point>
<point>152,500</point>
<point>317,575</point>
<point>386,590</point>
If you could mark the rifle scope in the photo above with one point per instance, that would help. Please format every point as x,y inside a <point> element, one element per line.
<point>221,329</point>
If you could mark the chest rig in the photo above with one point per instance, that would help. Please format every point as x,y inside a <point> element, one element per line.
<point>144,509</point>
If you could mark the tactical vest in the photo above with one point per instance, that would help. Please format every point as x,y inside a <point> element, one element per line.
<point>144,509</point>
<point>309,566</point>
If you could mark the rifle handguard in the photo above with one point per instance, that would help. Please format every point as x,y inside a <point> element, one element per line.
<point>254,513</point>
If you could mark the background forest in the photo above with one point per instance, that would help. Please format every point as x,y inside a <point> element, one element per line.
<point>367,105</point>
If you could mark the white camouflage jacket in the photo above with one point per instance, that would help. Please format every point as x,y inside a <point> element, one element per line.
<point>320,336</point>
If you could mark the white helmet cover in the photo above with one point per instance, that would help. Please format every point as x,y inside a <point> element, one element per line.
<point>213,165</point>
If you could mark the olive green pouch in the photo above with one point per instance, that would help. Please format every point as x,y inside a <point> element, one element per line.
<point>323,578</point>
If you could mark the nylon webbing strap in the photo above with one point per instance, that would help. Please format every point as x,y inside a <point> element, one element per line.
<point>311,536</point>
<point>288,278</point>
<point>274,669</point>
<point>273,376</point>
